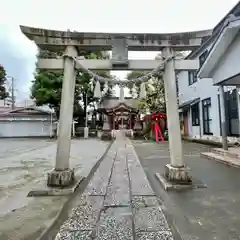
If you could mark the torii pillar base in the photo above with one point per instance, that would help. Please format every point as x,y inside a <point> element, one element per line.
<point>62,178</point>
<point>180,175</point>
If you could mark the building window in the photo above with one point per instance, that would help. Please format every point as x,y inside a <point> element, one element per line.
<point>192,77</point>
<point>231,113</point>
<point>203,57</point>
<point>207,121</point>
<point>195,114</point>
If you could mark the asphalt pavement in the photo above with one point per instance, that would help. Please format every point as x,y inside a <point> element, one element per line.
<point>205,213</point>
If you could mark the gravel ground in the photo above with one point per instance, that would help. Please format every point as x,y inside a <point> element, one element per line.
<point>24,164</point>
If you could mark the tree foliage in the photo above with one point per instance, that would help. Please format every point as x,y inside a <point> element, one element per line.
<point>134,88</point>
<point>155,99</point>
<point>3,79</point>
<point>47,86</point>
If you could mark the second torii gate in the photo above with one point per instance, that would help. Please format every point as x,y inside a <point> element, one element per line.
<point>120,44</point>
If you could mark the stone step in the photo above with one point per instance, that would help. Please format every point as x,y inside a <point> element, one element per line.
<point>228,153</point>
<point>230,161</point>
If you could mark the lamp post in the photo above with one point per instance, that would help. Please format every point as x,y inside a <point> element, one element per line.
<point>86,131</point>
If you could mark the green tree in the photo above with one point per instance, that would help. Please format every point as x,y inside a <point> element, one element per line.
<point>134,86</point>
<point>155,100</point>
<point>47,85</point>
<point>3,79</point>
<point>84,87</point>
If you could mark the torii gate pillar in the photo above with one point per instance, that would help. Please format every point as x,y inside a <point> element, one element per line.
<point>176,170</point>
<point>62,175</point>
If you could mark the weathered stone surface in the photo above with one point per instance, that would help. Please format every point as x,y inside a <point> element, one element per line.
<point>149,219</point>
<point>176,174</point>
<point>139,185</point>
<point>118,188</point>
<point>115,224</point>
<point>60,178</point>
<point>160,235</point>
<point>85,215</point>
<point>144,201</point>
<point>98,184</point>
<point>80,235</point>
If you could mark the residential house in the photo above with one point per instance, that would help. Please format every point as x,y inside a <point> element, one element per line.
<point>199,103</point>
<point>27,122</point>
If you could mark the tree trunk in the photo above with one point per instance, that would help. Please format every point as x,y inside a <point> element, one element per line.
<point>84,105</point>
<point>57,111</point>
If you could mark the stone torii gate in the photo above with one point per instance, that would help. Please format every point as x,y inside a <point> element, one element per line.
<point>74,42</point>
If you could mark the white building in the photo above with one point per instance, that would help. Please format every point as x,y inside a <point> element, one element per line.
<point>199,103</point>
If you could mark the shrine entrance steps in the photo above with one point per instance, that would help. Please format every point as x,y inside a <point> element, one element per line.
<point>118,202</point>
<point>122,133</point>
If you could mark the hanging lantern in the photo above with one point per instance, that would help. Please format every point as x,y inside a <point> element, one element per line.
<point>143,92</point>
<point>97,90</point>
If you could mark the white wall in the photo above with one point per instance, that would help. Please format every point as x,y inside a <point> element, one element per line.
<point>26,128</point>
<point>229,65</point>
<point>202,89</point>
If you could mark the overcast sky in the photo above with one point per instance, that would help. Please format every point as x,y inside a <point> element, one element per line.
<point>17,54</point>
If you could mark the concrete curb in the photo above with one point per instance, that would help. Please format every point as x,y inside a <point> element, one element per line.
<point>48,191</point>
<point>205,142</point>
<point>64,207</point>
<point>230,164</point>
<point>172,186</point>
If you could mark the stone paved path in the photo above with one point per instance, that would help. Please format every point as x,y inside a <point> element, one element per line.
<point>118,202</point>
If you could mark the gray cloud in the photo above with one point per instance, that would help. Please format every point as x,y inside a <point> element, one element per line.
<point>18,56</point>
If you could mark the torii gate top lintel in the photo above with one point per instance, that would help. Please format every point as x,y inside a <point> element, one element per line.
<point>54,39</point>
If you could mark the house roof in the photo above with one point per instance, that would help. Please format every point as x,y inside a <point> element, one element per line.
<point>25,111</point>
<point>189,103</point>
<point>219,47</point>
<point>235,10</point>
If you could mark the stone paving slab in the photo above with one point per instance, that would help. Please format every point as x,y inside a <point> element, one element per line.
<point>99,183</point>
<point>118,203</point>
<point>144,201</point>
<point>85,215</point>
<point>149,219</point>
<point>86,235</point>
<point>115,224</point>
<point>160,235</point>
<point>139,185</point>
<point>118,189</point>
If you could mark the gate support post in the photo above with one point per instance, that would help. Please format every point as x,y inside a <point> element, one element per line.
<point>62,175</point>
<point>175,171</point>
<point>223,119</point>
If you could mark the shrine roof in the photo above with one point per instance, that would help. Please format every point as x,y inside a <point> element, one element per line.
<point>113,103</point>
